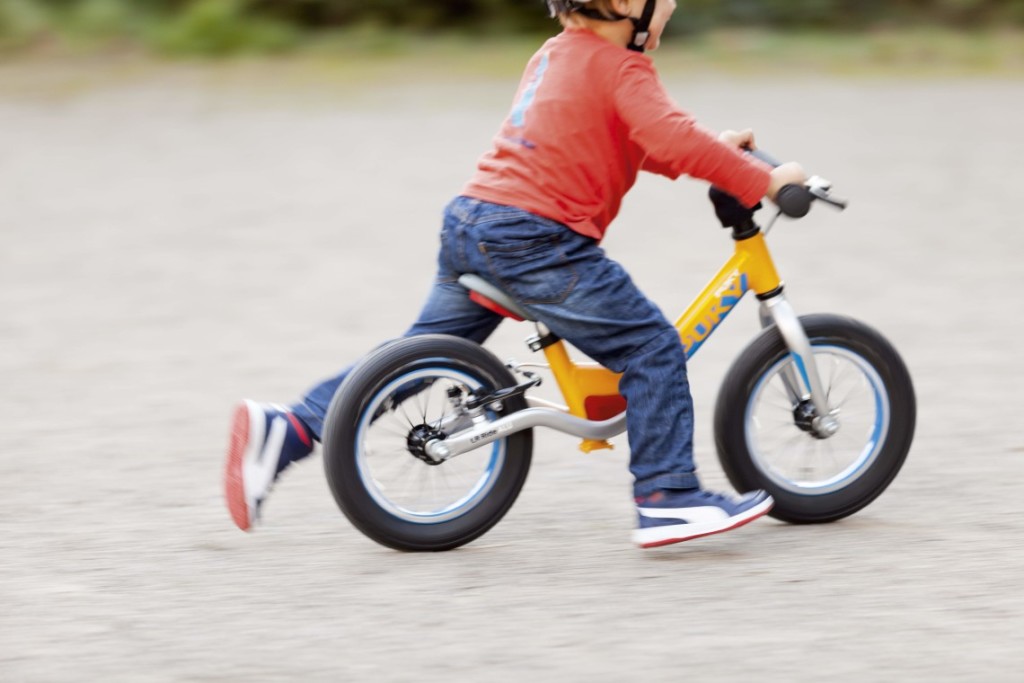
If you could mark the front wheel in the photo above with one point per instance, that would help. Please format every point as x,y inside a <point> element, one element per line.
<point>766,437</point>
<point>400,398</point>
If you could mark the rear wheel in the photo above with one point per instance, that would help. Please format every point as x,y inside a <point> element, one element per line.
<point>400,398</point>
<point>767,439</point>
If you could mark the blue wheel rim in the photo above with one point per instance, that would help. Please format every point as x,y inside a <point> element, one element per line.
<point>406,487</point>
<point>794,460</point>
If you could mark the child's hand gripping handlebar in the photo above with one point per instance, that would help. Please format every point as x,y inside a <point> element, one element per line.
<point>793,200</point>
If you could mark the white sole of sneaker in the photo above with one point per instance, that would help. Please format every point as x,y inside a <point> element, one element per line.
<point>246,435</point>
<point>654,537</point>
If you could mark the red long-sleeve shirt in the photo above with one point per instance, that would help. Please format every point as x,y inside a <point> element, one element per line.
<point>588,116</point>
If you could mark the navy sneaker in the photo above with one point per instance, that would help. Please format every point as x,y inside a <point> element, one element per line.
<point>675,516</point>
<point>265,439</point>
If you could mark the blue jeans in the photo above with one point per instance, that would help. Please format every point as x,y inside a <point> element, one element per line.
<point>568,283</point>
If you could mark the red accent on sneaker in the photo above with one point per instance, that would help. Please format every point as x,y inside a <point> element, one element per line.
<point>300,429</point>
<point>653,498</point>
<point>234,483</point>
<point>670,541</point>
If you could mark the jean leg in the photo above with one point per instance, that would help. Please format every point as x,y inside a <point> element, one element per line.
<point>659,414</point>
<point>312,409</point>
<point>611,321</point>
<point>448,310</point>
<point>570,285</point>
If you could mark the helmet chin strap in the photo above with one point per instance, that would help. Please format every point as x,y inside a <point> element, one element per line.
<point>641,26</point>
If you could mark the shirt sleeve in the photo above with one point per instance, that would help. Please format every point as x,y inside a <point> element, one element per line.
<point>675,144</point>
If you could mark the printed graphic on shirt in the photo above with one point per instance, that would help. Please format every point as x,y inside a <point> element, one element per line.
<point>518,116</point>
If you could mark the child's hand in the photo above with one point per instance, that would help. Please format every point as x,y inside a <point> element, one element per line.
<point>786,174</point>
<point>743,139</point>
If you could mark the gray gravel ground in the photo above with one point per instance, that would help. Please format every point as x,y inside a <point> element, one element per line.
<point>173,241</point>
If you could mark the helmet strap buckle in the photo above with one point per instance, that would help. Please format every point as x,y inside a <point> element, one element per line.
<point>640,40</point>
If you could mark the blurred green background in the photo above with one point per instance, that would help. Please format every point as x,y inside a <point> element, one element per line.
<point>231,27</point>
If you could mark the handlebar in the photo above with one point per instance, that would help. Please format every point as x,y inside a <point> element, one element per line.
<point>795,200</point>
<point>767,158</point>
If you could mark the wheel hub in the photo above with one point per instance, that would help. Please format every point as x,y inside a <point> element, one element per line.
<point>419,437</point>
<point>807,419</point>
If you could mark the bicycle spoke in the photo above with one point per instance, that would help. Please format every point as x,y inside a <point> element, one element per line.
<point>774,422</point>
<point>406,414</point>
<point>392,461</point>
<point>780,389</point>
<point>399,431</point>
<point>789,448</point>
<point>788,408</point>
<point>426,402</point>
<point>444,473</point>
<point>834,376</point>
<point>849,393</point>
<point>805,458</point>
<point>831,377</point>
<point>847,415</point>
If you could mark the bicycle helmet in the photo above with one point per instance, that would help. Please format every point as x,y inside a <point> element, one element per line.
<point>641,24</point>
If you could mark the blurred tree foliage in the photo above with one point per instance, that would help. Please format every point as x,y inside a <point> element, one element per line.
<point>528,14</point>
<point>229,26</point>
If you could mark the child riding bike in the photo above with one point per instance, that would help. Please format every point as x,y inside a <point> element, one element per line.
<point>589,114</point>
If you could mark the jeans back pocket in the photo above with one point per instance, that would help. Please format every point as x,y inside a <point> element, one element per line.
<point>533,271</point>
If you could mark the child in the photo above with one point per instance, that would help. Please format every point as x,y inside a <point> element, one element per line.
<point>589,114</point>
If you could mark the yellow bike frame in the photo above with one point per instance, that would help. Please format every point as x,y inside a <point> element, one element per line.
<point>592,392</point>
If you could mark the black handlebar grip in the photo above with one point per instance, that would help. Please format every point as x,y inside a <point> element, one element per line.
<point>794,200</point>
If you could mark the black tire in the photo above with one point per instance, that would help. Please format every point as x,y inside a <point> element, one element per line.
<point>366,437</point>
<point>845,347</point>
